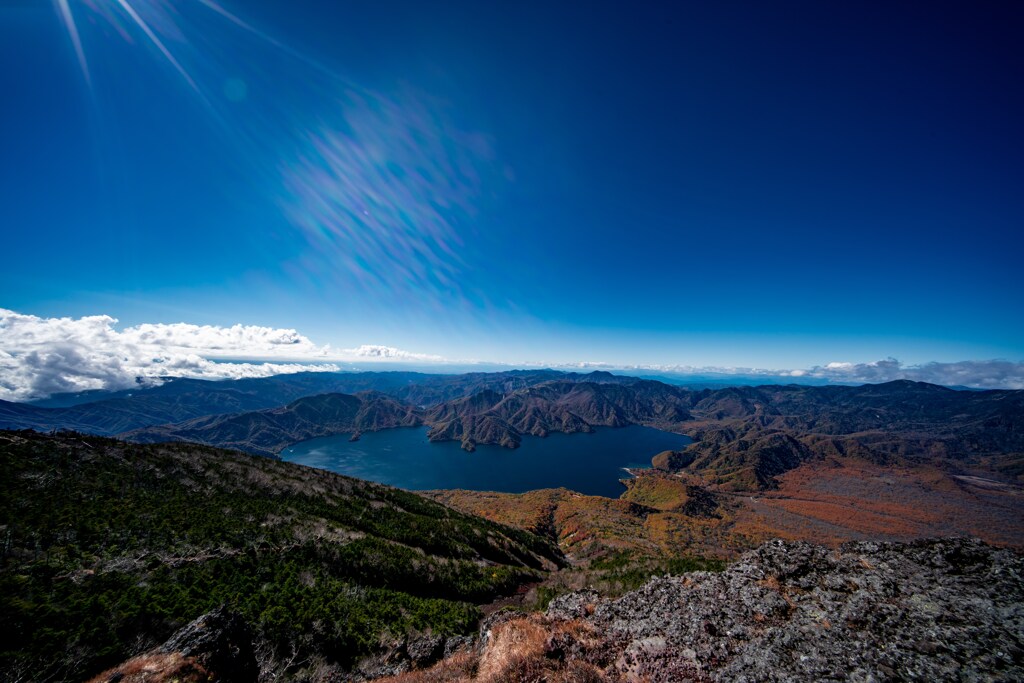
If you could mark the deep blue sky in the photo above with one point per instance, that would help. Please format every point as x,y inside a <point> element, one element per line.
<point>759,184</point>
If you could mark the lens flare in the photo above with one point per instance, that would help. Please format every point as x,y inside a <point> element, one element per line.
<point>106,9</point>
<point>130,11</point>
<point>76,40</point>
<point>386,197</point>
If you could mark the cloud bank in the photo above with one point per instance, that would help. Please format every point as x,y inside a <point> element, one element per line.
<point>370,351</point>
<point>984,374</point>
<point>975,374</point>
<point>40,357</point>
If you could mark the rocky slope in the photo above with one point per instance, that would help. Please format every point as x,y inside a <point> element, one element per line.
<point>950,610</point>
<point>556,406</point>
<point>746,436</point>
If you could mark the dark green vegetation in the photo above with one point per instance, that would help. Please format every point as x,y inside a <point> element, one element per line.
<point>109,547</point>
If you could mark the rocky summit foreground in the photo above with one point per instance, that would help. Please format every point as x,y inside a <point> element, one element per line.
<point>939,610</point>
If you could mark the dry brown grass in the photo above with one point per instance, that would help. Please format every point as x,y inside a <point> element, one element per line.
<point>455,669</point>
<point>157,667</point>
<point>523,650</point>
<point>515,647</point>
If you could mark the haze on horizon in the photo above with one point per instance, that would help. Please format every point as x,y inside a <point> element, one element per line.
<point>825,191</point>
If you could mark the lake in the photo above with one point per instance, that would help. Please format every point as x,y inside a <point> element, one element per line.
<point>588,463</point>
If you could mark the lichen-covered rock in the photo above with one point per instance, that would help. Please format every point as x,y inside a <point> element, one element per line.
<point>949,609</point>
<point>405,654</point>
<point>573,605</point>
<point>425,650</point>
<point>391,661</point>
<point>454,644</point>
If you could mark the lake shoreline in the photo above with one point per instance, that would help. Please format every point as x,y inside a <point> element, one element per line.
<point>591,463</point>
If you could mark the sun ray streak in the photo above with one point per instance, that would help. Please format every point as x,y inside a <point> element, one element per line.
<point>215,7</point>
<point>76,41</point>
<point>157,42</point>
<point>209,4</point>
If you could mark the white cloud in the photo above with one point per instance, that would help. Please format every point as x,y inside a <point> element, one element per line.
<point>44,356</point>
<point>373,351</point>
<point>977,374</point>
<point>579,365</point>
<point>254,341</point>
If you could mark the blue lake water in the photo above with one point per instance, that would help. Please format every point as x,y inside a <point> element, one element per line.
<point>588,463</point>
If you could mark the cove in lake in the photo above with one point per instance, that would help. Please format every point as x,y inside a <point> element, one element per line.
<point>588,463</point>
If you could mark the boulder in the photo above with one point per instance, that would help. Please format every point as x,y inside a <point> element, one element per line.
<point>221,641</point>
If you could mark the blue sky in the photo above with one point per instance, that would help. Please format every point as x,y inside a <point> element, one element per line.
<point>766,185</point>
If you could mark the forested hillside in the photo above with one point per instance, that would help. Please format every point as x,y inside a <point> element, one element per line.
<point>108,548</point>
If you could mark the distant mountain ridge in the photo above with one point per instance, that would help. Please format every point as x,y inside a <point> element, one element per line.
<point>744,436</point>
<point>555,406</point>
<point>487,417</point>
<point>267,432</point>
<point>181,399</point>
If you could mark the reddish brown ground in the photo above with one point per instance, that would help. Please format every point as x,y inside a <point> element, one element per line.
<point>842,500</point>
<point>829,501</point>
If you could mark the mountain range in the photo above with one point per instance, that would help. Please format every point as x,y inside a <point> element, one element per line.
<point>745,437</point>
<point>267,432</point>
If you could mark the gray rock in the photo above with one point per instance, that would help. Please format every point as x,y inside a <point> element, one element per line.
<point>391,661</point>
<point>457,644</point>
<point>948,609</point>
<point>425,650</point>
<point>220,641</point>
<point>573,605</point>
